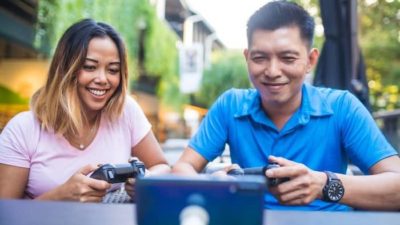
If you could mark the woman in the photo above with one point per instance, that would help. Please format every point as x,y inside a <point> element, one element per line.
<point>81,118</point>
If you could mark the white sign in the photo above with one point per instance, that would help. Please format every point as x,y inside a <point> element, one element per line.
<point>190,67</point>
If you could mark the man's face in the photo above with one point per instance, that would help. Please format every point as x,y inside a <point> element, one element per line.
<point>278,62</point>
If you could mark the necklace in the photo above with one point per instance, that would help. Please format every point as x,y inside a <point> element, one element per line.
<point>89,136</point>
<point>82,140</point>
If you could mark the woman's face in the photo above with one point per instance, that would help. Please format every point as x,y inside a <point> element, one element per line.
<point>100,75</point>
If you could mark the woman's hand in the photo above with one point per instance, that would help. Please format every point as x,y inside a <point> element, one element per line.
<point>158,169</point>
<point>79,187</point>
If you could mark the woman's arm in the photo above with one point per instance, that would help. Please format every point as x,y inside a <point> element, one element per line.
<point>79,187</point>
<point>150,153</point>
<point>13,180</point>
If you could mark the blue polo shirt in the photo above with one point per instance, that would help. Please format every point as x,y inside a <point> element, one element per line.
<point>330,128</point>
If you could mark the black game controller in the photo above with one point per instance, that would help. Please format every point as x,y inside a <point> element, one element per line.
<point>259,171</point>
<point>119,173</point>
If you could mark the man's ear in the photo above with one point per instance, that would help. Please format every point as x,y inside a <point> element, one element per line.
<point>312,58</point>
<point>246,53</point>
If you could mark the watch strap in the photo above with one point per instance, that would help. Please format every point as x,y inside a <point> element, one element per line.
<point>331,176</point>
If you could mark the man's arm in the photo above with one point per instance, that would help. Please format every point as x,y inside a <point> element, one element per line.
<point>365,144</point>
<point>190,162</point>
<point>378,191</point>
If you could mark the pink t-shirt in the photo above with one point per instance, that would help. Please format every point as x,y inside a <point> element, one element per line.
<point>52,160</point>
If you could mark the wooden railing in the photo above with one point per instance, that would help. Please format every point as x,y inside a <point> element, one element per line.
<point>389,122</point>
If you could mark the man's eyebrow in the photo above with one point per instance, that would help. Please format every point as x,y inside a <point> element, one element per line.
<point>257,52</point>
<point>289,52</point>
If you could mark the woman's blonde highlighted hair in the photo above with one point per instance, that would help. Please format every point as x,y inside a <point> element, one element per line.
<point>57,104</point>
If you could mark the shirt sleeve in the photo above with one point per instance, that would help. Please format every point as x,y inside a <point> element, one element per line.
<point>139,124</point>
<point>362,139</point>
<point>209,141</point>
<point>19,140</point>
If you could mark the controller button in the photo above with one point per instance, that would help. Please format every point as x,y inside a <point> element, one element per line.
<point>110,174</point>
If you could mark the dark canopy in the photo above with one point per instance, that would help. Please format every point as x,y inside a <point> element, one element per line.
<point>341,64</point>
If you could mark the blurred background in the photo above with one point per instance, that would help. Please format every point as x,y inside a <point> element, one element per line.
<point>185,53</point>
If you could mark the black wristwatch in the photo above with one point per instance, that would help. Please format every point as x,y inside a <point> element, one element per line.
<point>333,190</point>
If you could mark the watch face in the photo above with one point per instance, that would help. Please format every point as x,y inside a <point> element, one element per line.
<point>335,191</point>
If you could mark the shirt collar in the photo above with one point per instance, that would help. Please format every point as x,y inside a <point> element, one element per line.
<point>251,103</point>
<point>313,103</point>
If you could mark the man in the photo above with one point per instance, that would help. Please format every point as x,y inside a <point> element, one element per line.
<point>310,132</point>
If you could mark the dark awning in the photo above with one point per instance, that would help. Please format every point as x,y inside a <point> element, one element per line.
<point>341,64</point>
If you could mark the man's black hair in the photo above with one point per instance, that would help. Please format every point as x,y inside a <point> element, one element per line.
<point>278,14</point>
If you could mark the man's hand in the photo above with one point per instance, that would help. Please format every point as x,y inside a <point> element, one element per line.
<point>304,186</point>
<point>224,171</point>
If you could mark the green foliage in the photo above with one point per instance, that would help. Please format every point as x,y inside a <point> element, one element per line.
<point>161,60</point>
<point>228,70</point>
<point>9,97</point>
<point>170,94</point>
<point>161,54</point>
<point>380,41</point>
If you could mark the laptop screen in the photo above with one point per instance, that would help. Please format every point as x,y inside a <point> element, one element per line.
<point>162,199</point>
